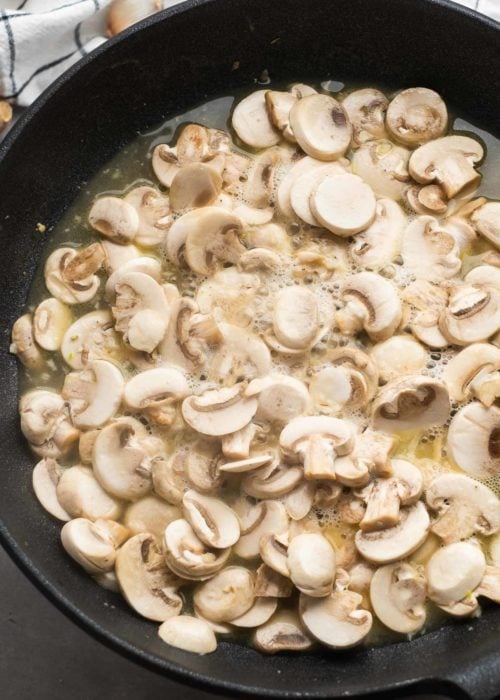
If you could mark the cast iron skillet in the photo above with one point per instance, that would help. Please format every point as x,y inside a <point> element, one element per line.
<point>166,64</point>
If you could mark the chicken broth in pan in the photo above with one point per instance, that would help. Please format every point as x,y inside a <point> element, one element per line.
<point>261,370</point>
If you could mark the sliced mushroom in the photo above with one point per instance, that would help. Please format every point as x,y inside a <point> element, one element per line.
<point>145,264</point>
<point>155,391</point>
<point>194,185</point>
<point>429,251</point>
<point>473,440</point>
<point>240,353</point>
<point>415,401</point>
<point>94,394</point>
<point>260,259</point>
<point>265,518</point>
<point>464,507</point>
<point>258,189</point>
<point>81,495</point>
<point>251,121</point>
<point>416,115</point>
<point>50,322</point>
<point>344,204</point>
<point>304,186</point>
<point>296,317</point>
<point>91,337</point>
<point>319,441</point>
<point>151,515</point>
<point>300,500</point>
<point>336,621</point>
<point>475,370</point>
<point>165,164</point>
<point>350,378</point>
<point>213,234</point>
<point>366,109</point>
<point>115,218</point>
<point>427,301</point>
<point>237,445</point>
<point>169,478</point>
<point>246,465</point>
<point>280,397</point>
<point>188,633</point>
<point>24,345</point>
<point>273,551</point>
<point>426,200</point>
<point>283,632</point>
<point>219,412</point>
<point>202,466</point>
<point>278,106</point>
<point>486,220</point>
<point>153,210</point>
<point>259,613</point>
<point>212,520</point>
<point>373,450</point>
<point>45,423</point>
<point>383,166</point>
<point>146,583</point>
<point>116,255</point>
<point>397,356</point>
<point>311,562</point>
<point>89,544</point>
<point>188,557</point>
<point>380,243</point>
<point>299,168</point>
<point>372,304</point>
<point>321,126</point>
<point>454,571</point>
<point>228,595</point>
<point>73,289</point>
<point>393,543</point>
<point>472,314</point>
<point>397,594</point>
<point>272,481</point>
<point>449,162</point>
<point>123,457</point>
<point>46,476</point>
<point>231,293</point>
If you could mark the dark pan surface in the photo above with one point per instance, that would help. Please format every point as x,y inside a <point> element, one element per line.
<point>169,63</point>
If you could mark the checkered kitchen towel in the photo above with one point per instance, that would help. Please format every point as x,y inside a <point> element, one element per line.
<point>39,39</point>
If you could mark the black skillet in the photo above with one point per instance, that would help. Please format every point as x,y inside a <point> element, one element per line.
<point>163,66</point>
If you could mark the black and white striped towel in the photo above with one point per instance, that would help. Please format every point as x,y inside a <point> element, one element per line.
<point>39,39</point>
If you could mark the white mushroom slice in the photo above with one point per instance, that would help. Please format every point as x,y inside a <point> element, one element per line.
<point>153,210</point>
<point>258,189</point>
<point>304,186</point>
<point>69,291</point>
<point>472,314</point>
<point>165,164</point>
<point>195,185</point>
<point>366,109</point>
<point>350,379</point>
<point>141,311</point>
<point>343,204</point>
<point>169,477</point>
<point>114,218</point>
<point>397,594</point>
<point>213,233</point>
<point>454,571</point>
<point>237,445</point>
<point>188,633</point>
<point>409,480</point>
<point>380,243</point>
<point>246,465</point>
<point>283,632</point>
<point>397,356</point>
<point>155,391</point>
<point>219,412</point>
<point>371,303</point>
<point>429,251</point>
<point>228,595</point>
<point>336,621</point>
<point>89,545</point>
<point>150,514</point>
<point>252,216</point>
<point>298,169</point>
<point>382,505</point>
<point>319,441</point>
<point>45,477</point>
<point>298,503</point>
<point>81,495</point>
<point>231,293</point>
<point>91,337</point>
<point>145,581</point>
<point>429,199</point>
<point>321,126</point>
<point>259,613</point>
<point>486,220</point>
<point>465,507</point>
<point>24,345</point>
<point>391,544</point>
<point>473,440</point>
<point>260,259</point>
<point>251,121</point>
<point>484,275</point>
<point>373,450</point>
<point>213,521</point>
<point>415,401</point>
<point>326,494</point>
<point>270,584</point>
<point>94,394</point>
<point>416,115</point>
<point>272,481</point>
<point>145,264</point>
<point>274,549</point>
<point>278,106</point>
<point>217,627</point>
<point>202,467</point>
<point>265,518</point>
<point>427,301</point>
<point>280,397</point>
<point>241,353</point>
<point>116,255</point>
<point>296,317</point>
<point>187,556</point>
<point>50,322</point>
<point>45,423</point>
<point>311,562</point>
<point>383,166</point>
<point>449,162</point>
<point>474,370</point>
<point>301,90</point>
<point>123,454</point>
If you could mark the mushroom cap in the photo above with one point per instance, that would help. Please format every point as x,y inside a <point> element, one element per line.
<point>251,121</point>
<point>188,633</point>
<point>372,303</point>
<point>213,233</point>
<point>94,394</point>
<point>188,556</point>
<point>296,317</point>
<point>150,514</point>
<point>380,243</point>
<point>429,251</point>
<point>336,621</point>
<point>454,571</point>
<point>45,477</point>
<point>51,320</point>
<point>321,126</point>
<point>265,518</point>
<point>228,595</point>
<point>68,291</point>
<point>472,314</point>
<point>155,386</point>
<point>23,343</point>
<point>473,440</point>
<point>114,218</point>
<point>116,255</point>
<point>45,423</point>
<point>145,581</point>
<point>91,337</point>
<point>366,110</point>
<point>143,263</point>
<point>465,507</point>
<point>343,204</point>
<point>299,430</point>
<point>81,495</point>
<point>393,543</point>
<point>486,220</point>
<point>397,356</point>
<point>410,402</point>
<point>468,371</point>
<point>283,632</point>
<point>416,115</point>
<point>219,411</point>
<point>311,562</point>
<point>88,545</point>
<point>397,595</point>
<point>304,186</point>
<point>280,397</point>
<point>383,166</point>
<point>153,209</point>
<point>213,521</point>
